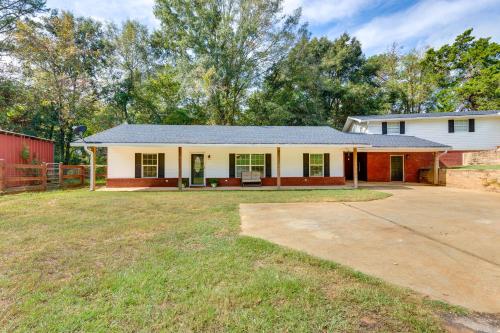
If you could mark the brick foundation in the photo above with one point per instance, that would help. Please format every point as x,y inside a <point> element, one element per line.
<point>271,181</point>
<point>141,182</point>
<point>379,165</point>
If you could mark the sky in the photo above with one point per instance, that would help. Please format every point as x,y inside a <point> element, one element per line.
<point>376,23</point>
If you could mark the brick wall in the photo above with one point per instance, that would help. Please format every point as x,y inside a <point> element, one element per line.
<point>141,182</point>
<point>484,180</point>
<point>486,157</point>
<point>451,159</point>
<point>379,165</point>
<point>271,181</point>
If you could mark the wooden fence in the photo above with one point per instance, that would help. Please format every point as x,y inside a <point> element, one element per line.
<point>33,177</point>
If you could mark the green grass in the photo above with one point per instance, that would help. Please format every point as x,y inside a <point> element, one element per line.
<point>478,167</point>
<point>168,261</point>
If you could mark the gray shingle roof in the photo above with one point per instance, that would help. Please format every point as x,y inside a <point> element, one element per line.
<point>427,115</point>
<point>206,134</point>
<point>395,141</point>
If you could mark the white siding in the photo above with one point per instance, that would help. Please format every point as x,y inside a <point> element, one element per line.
<point>486,135</point>
<point>121,160</point>
<point>358,128</point>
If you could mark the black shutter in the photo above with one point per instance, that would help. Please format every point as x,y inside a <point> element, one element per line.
<point>326,165</point>
<point>161,165</point>
<point>306,164</point>
<point>472,125</point>
<point>451,126</point>
<point>232,160</point>
<point>384,127</point>
<point>401,127</point>
<point>268,165</point>
<point>138,165</point>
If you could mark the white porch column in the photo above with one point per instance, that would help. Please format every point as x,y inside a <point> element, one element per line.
<point>179,176</point>
<point>278,167</point>
<point>355,166</point>
<point>436,168</point>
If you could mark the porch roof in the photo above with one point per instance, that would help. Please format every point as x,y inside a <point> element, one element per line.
<point>127,134</point>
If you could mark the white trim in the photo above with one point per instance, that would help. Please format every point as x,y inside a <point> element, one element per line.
<point>403,149</point>
<point>191,169</point>
<point>273,145</point>
<point>250,165</point>
<point>458,116</point>
<point>142,164</point>
<point>390,168</point>
<point>322,165</point>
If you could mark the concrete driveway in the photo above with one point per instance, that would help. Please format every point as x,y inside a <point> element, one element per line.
<point>439,241</point>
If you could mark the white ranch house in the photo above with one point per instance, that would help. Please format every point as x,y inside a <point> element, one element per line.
<point>168,155</point>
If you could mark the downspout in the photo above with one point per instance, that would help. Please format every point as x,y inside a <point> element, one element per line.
<point>91,155</point>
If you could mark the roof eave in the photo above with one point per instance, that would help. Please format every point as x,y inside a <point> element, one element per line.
<point>154,144</point>
<point>430,118</point>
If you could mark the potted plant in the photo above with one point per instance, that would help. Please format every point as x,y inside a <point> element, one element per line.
<point>213,182</point>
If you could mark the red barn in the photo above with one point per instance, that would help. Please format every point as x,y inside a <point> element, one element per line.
<point>25,149</point>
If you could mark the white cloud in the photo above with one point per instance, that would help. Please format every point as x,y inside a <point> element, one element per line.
<point>324,11</point>
<point>110,10</point>
<point>430,23</point>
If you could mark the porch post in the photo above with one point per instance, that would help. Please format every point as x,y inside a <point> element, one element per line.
<point>436,168</point>
<point>278,167</point>
<point>179,177</point>
<point>355,166</point>
<point>92,166</point>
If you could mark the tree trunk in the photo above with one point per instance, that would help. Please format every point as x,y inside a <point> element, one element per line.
<point>61,144</point>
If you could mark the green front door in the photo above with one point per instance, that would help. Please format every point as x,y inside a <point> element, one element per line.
<point>197,170</point>
<point>397,168</point>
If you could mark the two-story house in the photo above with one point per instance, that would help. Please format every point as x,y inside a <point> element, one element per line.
<point>463,131</point>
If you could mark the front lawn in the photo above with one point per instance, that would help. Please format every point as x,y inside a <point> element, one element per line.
<point>168,261</point>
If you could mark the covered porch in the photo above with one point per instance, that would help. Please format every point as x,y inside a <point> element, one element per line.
<point>196,167</point>
<point>288,167</point>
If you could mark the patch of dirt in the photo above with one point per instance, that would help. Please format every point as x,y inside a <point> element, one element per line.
<point>472,323</point>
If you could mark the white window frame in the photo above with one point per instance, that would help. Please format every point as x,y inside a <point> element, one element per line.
<point>316,164</point>
<point>390,168</point>
<point>393,127</point>
<point>463,127</point>
<point>250,165</point>
<point>149,165</point>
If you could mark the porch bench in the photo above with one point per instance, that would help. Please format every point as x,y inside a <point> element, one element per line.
<point>250,177</point>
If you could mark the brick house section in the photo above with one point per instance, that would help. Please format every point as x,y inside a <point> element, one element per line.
<point>379,165</point>
<point>451,159</point>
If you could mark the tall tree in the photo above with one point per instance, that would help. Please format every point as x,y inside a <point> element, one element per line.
<point>320,82</point>
<point>13,10</point>
<point>62,55</point>
<point>466,73</point>
<point>226,44</point>
<point>133,64</point>
<point>403,80</point>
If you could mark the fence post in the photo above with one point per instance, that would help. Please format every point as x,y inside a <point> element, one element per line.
<point>3,176</point>
<point>44,176</point>
<point>61,175</point>
<point>82,175</point>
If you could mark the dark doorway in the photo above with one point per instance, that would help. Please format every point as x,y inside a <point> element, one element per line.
<point>362,166</point>
<point>197,170</point>
<point>397,168</point>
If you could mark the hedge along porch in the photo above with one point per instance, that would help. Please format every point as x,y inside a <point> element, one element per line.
<point>158,166</point>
